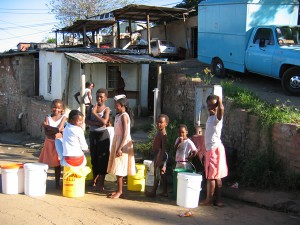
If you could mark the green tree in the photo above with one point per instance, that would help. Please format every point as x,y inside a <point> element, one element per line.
<point>189,4</point>
<point>68,11</point>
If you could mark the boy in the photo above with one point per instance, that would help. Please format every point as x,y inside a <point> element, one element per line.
<point>160,156</point>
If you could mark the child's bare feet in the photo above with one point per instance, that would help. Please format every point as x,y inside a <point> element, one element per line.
<point>206,203</point>
<point>116,195</point>
<point>163,194</point>
<point>150,194</point>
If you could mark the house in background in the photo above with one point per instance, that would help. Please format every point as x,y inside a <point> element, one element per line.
<point>64,70</point>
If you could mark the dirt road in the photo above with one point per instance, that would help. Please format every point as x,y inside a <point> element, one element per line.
<point>95,208</point>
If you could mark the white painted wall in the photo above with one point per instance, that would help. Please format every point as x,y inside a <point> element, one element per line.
<point>59,68</point>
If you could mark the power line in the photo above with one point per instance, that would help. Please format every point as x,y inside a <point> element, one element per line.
<point>27,26</point>
<point>24,35</point>
<point>22,9</point>
<point>26,13</point>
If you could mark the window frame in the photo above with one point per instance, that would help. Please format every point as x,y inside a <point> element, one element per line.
<point>112,78</point>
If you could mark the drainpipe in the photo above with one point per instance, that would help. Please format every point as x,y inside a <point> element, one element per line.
<point>20,116</point>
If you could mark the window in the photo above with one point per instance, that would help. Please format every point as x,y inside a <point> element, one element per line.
<point>112,77</point>
<point>49,78</point>
<point>265,34</point>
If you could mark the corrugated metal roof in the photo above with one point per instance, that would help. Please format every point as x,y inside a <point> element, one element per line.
<point>89,58</point>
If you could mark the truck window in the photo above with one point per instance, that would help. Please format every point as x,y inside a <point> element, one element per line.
<point>266,34</point>
<point>288,35</point>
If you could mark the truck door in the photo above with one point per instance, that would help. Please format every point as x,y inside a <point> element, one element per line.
<point>259,57</point>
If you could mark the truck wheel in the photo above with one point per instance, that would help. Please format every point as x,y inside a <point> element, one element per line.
<point>290,81</point>
<point>218,69</point>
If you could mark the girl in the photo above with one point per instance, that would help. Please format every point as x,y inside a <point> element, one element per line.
<point>97,118</point>
<point>121,160</point>
<point>73,141</point>
<point>185,149</point>
<point>53,126</point>
<point>215,158</point>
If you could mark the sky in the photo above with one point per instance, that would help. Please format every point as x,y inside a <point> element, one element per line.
<point>31,20</point>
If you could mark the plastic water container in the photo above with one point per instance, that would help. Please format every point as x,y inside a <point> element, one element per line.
<point>147,163</point>
<point>89,164</point>
<point>188,191</point>
<point>35,179</point>
<point>74,181</point>
<point>176,171</point>
<point>149,179</point>
<point>138,181</point>
<point>12,178</point>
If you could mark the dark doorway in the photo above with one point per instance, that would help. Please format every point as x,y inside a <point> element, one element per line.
<point>194,41</point>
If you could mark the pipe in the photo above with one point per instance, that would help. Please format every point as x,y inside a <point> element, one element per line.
<point>20,116</point>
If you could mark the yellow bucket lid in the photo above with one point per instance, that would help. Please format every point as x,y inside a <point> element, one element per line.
<point>11,166</point>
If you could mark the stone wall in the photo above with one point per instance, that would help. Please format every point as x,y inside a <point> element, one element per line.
<point>16,85</point>
<point>178,96</point>
<point>241,131</point>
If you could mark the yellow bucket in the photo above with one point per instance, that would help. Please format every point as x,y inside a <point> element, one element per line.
<point>89,164</point>
<point>138,181</point>
<point>74,181</point>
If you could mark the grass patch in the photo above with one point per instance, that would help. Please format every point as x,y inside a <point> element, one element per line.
<point>268,113</point>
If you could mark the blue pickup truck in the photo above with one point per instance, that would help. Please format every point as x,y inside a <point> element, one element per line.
<point>259,36</point>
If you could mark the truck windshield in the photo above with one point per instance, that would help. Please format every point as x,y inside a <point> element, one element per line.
<point>288,35</point>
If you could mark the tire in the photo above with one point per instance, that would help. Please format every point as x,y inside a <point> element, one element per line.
<point>290,81</point>
<point>217,68</point>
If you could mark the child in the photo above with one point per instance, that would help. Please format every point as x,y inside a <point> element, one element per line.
<point>97,118</point>
<point>160,156</point>
<point>185,149</point>
<point>121,160</point>
<point>53,126</point>
<point>215,159</point>
<point>198,140</point>
<point>87,97</point>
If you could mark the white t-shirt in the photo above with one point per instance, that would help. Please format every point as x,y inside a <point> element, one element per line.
<point>86,99</point>
<point>213,132</point>
<point>73,141</point>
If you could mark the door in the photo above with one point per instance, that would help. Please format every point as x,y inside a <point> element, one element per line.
<point>259,58</point>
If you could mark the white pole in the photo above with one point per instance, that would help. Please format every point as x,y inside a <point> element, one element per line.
<point>155,104</point>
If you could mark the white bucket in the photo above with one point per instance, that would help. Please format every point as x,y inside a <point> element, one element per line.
<point>12,179</point>
<point>35,179</point>
<point>188,190</point>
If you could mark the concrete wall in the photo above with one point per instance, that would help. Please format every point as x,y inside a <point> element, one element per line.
<point>241,130</point>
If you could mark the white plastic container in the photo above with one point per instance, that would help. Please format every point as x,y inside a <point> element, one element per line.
<point>12,178</point>
<point>35,179</point>
<point>147,163</point>
<point>149,179</point>
<point>188,190</point>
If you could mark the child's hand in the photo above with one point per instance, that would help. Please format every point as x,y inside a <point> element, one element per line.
<point>180,140</point>
<point>119,153</point>
<point>163,170</point>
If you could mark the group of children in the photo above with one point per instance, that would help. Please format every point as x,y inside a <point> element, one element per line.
<point>65,141</point>
<point>64,145</point>
<point>208,146</point>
